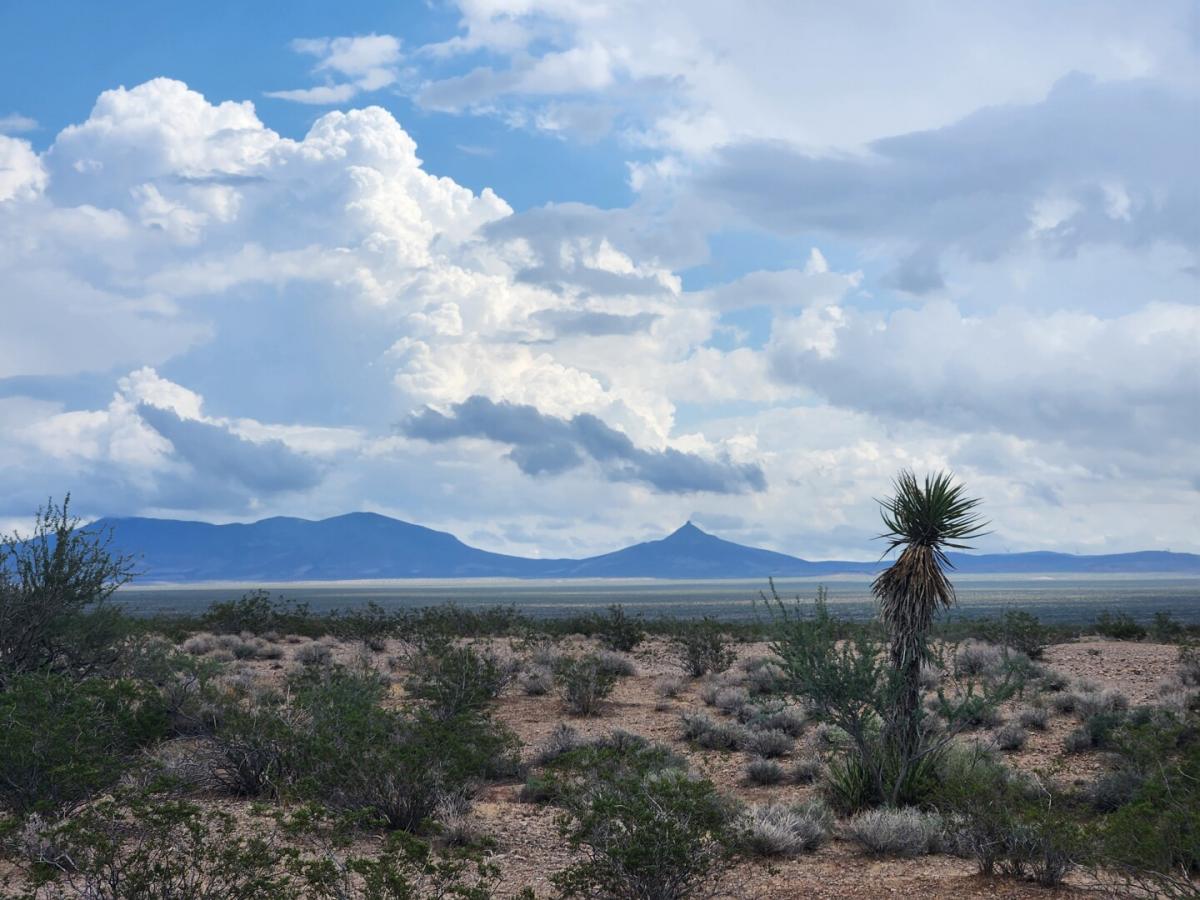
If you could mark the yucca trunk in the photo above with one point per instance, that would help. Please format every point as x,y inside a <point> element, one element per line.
<point>910,592</point>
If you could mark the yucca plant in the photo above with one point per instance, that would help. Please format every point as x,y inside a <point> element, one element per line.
<point>923,521</point>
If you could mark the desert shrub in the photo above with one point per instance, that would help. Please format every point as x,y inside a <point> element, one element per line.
<point>357,756</point>
<point>766,677</point>
<point>453,680</point>
<point>692,725</point>
<point>1165,628</point>
<point>720,736</point>
<point>1052,681</point>
<point>1119,626</point>
<point>584,684</point>
<point>807,769</point>
<point>1021,631</point>
<point>646,829</point>
<point>199,644</point>
<point>731,699</point>
<point>1151,843</point>
<point>54,588</point>
<point>313,654</point>
<point>1189,666</point>
<point>1035,717</point>
<point>1010,737</point>
<point>764,771</point>
<point>1008,824</point>
<point>62,740</point>
<point>669,686</point>
<point>617,664</point>
<point>974,659</point>
<point>620,632</point>
<point>130,847</point>
<point>1106,700</point>
<point>896,832</point>
<point>1112,790</point>
<point>769,743</point>
<point>790,720</point>
<point>1065,702</point>
<point>563,739</point>
<point>977,712</point>
<point>849,683</point>
<point>702,647</point>
<point>536,681</point>
<point>1079,740</point>
<point>253,749</point>
<point>779,829</point>
<point>134,845</point>
<point>539,788</point>
<point>256,612</point>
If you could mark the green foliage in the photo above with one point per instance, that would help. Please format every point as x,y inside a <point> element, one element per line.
<point>63,741</point>
<point>585,683</point>
<point>133,846</point>
<point>356,755</point>
<point>1118,626</point>
<point>702,647</point>
<point>54,585</point>
<point>620,632</point>
<point>850,683</point>
<point>257,612</point>
<point>1008,824</point>
<point>1165,628</point>
<point>1152,841</point>
<point>454,679</point>
<point>1021,632</point>
<point>646,828</point>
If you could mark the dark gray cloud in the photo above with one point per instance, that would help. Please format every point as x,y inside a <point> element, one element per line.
<point>1118,157</point>
<point>265,466</point>
<point>548,445</point>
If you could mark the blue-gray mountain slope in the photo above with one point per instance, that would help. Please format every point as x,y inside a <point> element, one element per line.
<point>366,545</point>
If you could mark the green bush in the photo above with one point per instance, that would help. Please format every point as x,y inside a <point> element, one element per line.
<point>1021,632</point>
<point>847,682</point>
<point>1118,626</point>
<point>1151,842</point>
<point>620,632</point>
<point>453,680</point>
<point>134,846</point>
<point>585,683</point>
<point>703,647</point>
<point>62,741</point>
<point>1006,824</point>
<point>356,755</point>
<point>54,587</point>
<point>258,613</point>
<point>645,826</point>
<point>1165,628</point>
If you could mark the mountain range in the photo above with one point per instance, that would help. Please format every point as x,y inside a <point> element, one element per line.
<point>372,546</point>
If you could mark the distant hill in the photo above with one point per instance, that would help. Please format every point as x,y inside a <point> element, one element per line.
<point>366,545</point>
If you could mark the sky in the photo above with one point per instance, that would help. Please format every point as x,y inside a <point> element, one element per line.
<point>559,275</point>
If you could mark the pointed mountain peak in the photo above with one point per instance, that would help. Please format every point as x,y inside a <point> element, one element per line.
<point>687,530</point>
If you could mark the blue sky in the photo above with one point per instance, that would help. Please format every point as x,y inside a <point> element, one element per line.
<point>637,264</point>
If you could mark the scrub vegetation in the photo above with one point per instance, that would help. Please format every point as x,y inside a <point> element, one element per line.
<point>263,750</point>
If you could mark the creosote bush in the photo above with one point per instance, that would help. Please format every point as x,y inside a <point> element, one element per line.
<point>645,826</point>
<point>703,647</point>
<point>1119,626</point>
<point>63,741</point>
<point>620,632</point>
<point>584,683</point>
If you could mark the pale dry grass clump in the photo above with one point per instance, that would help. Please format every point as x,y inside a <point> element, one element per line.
<point>779,829</point>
